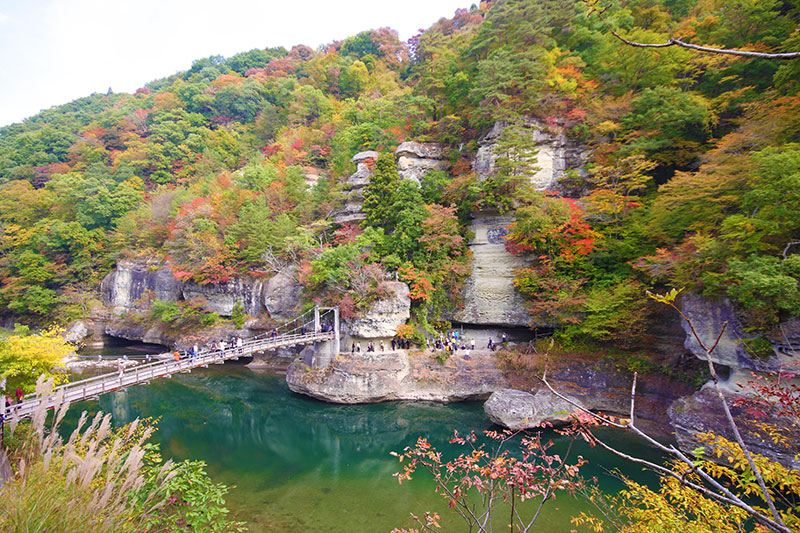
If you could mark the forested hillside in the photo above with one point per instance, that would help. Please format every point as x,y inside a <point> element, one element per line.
<point>237,164</point>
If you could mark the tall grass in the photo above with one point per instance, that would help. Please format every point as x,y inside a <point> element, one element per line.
<point>99,480</point>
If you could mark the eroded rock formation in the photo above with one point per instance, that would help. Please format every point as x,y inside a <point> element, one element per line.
<point>702,412</point>
<point>133,285</point>
<point>415,159</point>
<point>384,316</point>
<point>368,377</point>
<point>351,212</point>
<point>490,297</point>
<point>556,153</point>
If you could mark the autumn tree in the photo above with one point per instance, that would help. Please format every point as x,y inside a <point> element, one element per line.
<point>24,356</point>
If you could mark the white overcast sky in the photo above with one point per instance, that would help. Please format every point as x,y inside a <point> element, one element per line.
<point>54,51</point>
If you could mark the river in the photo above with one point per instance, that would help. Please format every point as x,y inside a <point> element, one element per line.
<point>302,465</point>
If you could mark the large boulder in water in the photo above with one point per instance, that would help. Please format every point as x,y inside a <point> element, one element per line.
<point>515,409</point>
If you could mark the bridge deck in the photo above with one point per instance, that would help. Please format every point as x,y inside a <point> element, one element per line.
<point>94,386</point>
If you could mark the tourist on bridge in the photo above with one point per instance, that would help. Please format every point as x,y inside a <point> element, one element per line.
<point>176,355</point>
<point>120,367</point>
<point>239,344</point>
<point>19,395</point>
<point>195,351</point>
<point>222,347</point>
<point>303,329</point>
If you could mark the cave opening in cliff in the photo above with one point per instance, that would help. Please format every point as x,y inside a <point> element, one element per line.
<point>514,334</point>
<point>112,345</point>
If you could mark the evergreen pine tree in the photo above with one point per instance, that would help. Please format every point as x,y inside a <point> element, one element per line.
<point>381,193</point>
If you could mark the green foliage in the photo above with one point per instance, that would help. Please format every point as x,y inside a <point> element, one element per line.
<point>183,316</point>
<point>238,315</point>
<point>767,287</point>
<point>381,194</point>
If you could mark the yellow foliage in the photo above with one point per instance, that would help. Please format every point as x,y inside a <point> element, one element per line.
<point>25,356</point>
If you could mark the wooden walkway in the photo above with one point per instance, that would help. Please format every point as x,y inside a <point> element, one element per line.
<point>95,386</point>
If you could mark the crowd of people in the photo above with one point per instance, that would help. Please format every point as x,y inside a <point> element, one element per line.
<point>452,342</point>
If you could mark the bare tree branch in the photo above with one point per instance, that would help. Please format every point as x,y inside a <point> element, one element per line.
<point>720,492</point>
<point>682,44</point>
<point>737,435</point>
<point>594,6</point>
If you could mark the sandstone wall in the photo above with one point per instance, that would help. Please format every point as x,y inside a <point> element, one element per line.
<point>384,316</point>
<point>415,159</point>
<point>556,153</point>
<point>489,294</point>
<point>134,284</point>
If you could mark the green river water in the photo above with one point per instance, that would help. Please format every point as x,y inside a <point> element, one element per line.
<point>299,465</point>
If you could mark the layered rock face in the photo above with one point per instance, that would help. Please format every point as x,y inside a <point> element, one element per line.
<point>133,285</point>
<point>415,159</point>
<point>489,294</point>
<point>384,316</point>
<point>556,153</point>
<point>708,318</point>
<point>351,212</point>
<point>369,377</point>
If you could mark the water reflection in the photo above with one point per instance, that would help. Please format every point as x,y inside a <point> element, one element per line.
<point>303,465</point>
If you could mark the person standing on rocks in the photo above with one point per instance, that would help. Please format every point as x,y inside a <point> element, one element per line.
<point>394,344</point>
<point>383,346</point>
<point>473,344</point>
<point>358,347</point>
<point>503,338</point>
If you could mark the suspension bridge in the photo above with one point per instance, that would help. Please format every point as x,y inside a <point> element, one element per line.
<point>322,326</point>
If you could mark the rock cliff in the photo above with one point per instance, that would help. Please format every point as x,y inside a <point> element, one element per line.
<point>490,297</point>
<point>702,412</point>
<point>384,316</point>
<point>222,297</point>
<point>556,153</point>
<point>708,317</point>
<point>133,285</point>
<point>415,159</point>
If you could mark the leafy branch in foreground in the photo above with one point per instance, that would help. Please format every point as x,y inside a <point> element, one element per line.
<point>743,489</point>
<point>479,484</point>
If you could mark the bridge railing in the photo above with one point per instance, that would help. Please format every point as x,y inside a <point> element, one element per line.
<point>95,385</point>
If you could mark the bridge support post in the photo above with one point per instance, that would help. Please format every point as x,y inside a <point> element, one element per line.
<point>336,339</point>
<point>316,319</point>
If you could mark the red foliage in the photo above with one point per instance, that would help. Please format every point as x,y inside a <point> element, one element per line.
<point>347,233</point>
